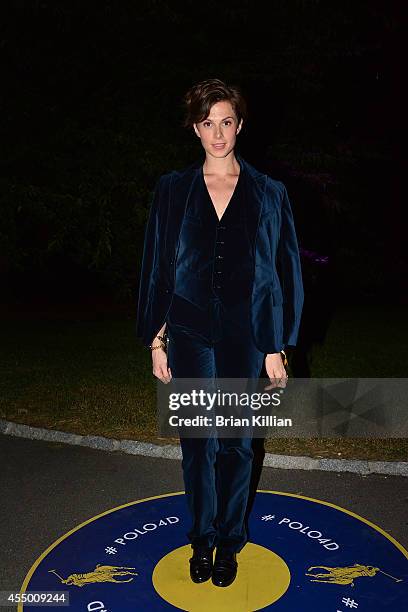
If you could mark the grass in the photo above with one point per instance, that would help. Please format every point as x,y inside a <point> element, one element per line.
<point>90,375</point>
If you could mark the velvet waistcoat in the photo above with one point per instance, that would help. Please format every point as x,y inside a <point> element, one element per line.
<point>215,256</point>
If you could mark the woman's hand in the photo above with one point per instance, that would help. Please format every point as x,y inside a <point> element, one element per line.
<point>275,370</point>
<point>160,369</point>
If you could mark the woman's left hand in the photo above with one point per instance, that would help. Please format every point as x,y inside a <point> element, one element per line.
<point>275,370</point>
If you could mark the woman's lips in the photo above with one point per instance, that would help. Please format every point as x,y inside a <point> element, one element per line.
<point>219,146</point>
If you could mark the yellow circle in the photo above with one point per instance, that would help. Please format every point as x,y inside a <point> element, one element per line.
<point>262,578</point>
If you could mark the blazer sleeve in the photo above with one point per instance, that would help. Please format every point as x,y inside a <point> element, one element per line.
<point>290,273</point>
<point>149,262</point>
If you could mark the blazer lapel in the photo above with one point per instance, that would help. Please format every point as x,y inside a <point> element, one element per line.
<point>254,184</point>
<point>181,187</point>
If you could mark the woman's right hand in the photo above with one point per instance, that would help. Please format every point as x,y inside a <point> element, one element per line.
<point>160,369</point>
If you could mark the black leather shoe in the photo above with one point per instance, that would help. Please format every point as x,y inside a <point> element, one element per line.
<point>225,568</point>
<point>201,563</point>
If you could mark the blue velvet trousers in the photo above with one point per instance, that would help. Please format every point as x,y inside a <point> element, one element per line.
<point>216,343</point>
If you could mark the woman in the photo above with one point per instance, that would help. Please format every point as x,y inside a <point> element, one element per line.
<point>220,294</point>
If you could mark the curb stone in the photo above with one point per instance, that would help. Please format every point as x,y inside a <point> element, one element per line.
<point>170,451</point>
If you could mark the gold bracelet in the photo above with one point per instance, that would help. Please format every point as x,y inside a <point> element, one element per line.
<point>163,342</point>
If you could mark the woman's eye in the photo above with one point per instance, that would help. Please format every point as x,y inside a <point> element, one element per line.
<point>207,123</point>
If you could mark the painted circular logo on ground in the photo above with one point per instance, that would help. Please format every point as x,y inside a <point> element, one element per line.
<point>303,554</point>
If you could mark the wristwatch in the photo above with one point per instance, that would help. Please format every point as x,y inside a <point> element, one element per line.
<point>284,358</point>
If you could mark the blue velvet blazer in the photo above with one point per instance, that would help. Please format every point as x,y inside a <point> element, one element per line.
<point>277,287</point>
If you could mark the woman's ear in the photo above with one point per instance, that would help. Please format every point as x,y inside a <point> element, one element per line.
<point>239,127</point>
<point>196,130</point>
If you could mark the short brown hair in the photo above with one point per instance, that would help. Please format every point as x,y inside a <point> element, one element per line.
<point>200,98</point>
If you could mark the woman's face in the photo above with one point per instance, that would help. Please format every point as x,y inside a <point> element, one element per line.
<point>219,128</point>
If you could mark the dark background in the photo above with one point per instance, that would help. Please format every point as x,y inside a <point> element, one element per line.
<point>91,113</point>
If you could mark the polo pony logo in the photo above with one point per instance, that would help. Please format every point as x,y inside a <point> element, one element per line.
<point>346,575</point>
<point>102,573</point>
